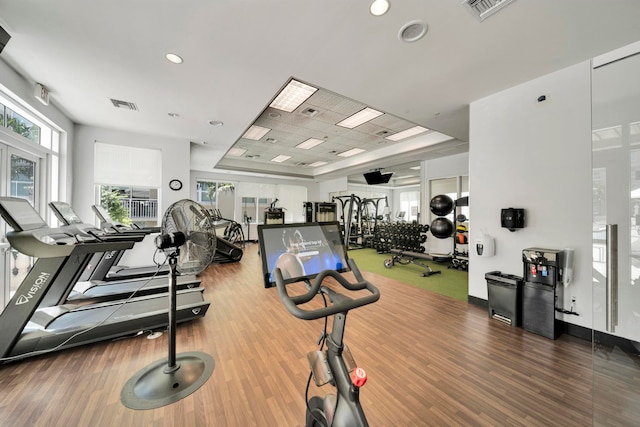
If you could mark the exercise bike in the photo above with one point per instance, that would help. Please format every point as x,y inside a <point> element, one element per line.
<point>333,365</point>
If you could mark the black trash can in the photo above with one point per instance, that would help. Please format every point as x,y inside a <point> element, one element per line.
<point>505,297</point>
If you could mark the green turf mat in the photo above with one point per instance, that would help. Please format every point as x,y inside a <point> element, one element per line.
<point>451,282</point>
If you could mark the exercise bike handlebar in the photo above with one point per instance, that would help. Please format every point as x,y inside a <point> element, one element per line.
<point>341,303</point>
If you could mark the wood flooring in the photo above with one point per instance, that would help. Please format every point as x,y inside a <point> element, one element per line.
<point>431,360</point>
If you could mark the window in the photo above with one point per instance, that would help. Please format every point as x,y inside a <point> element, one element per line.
<point>131,204</point>
<point>256,198</point>
<point>217,195</point>
<point>410,204</point>
<point>19,124</point>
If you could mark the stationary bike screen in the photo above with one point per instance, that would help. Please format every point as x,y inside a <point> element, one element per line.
<point>301,251</point>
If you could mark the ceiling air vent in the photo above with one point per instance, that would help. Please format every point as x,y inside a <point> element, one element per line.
<point>309,112</point>
<point>124,104</point>
<point>485,8</point>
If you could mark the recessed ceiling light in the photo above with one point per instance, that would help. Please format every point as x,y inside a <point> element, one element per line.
<point>281,158</point>
<point>271,140</point>
<point>359,118</point>
<point>415,168</point>
<point>407,133</point>
<point>255,132</point>
<point>172,57</point>
<point>215,123</point>
<point>293,94</point>
<point>237,151</point>
<point>309,143</point>
<point>351,152</point>
<point>379,7</point>
<point>318,163</point>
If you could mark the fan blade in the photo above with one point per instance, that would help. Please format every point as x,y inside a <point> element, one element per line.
<point>180,219</point>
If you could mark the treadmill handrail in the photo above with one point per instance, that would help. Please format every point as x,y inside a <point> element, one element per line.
<point>55,242</point>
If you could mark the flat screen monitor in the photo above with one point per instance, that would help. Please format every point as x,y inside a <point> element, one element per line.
<point>301,251</point>
<point>20,215</point>
<point>65,213</point>
<point>377,177</point>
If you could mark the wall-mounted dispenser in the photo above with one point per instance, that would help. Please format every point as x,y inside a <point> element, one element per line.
<point>512,218</point>
<point>485,246</point>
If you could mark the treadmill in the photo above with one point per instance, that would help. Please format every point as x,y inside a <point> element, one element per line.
<point>40,318</point>
<point>108,269</point>
<point>89,286</point>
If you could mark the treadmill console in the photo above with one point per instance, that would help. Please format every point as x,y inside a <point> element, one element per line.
<point>20,215</point>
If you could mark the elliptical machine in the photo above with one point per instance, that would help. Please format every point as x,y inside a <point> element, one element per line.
<point>334,364</point>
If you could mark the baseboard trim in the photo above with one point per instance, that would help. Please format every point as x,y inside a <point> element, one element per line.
<point>573,330</point>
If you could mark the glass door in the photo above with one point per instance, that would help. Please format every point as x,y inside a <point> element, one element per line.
<point>20,178</point>
<point>4,245</point>
<point>616,241</point>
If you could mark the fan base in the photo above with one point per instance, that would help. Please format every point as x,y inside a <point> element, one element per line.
<point>159,385</point>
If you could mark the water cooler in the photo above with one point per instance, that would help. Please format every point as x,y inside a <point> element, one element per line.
<point>542,291</point>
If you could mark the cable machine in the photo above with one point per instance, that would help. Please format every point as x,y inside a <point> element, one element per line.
<point>370,219</point>
<point>350,207</point>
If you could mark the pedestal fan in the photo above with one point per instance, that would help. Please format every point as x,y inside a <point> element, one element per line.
<point>188,239</point>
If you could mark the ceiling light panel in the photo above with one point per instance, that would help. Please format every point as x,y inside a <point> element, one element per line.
<point>309,143</point>
<point>359,118</point>
<point>255,132</point>
<point>351,152</point>
<point>292,96</point>
<point>318,163</point>
<point>416,130</point>
<point>236,152</point>
<point>281,158</point>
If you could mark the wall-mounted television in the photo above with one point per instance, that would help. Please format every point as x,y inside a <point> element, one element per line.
<point>301,251</point>
<point>377,177</point>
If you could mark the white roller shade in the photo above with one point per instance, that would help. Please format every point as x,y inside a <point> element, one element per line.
<point>127,166</point>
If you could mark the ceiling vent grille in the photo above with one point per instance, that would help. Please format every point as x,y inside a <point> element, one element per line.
<point>309,112</point>
<point>124,104</point>
<point>485,8</point>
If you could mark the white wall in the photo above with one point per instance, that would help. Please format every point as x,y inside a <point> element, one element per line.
<point>324,188</point>
<point>537,156</point>
<point>175,165</point>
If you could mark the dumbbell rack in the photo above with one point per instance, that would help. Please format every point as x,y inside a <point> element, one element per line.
<point>402,236</point>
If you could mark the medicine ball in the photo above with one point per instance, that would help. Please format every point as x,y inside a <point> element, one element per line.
<point>442,228</point>
<point>441,205</point>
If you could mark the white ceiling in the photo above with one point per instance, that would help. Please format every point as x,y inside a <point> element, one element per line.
<point>239,54</point>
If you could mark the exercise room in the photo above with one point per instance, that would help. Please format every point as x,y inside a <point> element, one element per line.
<point>333,214</point>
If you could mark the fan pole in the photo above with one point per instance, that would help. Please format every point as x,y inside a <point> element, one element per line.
<point>165,382</point>
<point>171,361</point>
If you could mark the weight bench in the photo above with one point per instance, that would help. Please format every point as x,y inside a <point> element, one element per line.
<point>407,257</point>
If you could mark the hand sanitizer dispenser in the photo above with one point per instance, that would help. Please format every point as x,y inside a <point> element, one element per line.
<point>485,246</point>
